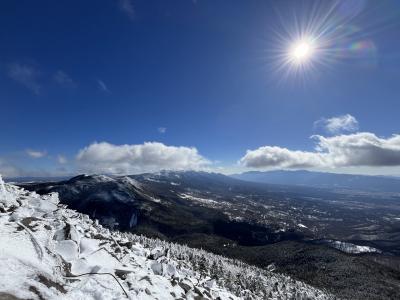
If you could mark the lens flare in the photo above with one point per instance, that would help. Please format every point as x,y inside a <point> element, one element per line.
<point>313,36</point>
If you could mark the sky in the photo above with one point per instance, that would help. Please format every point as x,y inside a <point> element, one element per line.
<point>130,86</point>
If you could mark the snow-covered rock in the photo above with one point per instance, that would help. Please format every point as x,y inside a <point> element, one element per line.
<point>8,198</point>
<point>48,251</point>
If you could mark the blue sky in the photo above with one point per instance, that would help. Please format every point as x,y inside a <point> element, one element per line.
<point>201,81</point>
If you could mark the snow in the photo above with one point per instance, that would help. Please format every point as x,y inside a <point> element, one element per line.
<point>102,178</point>
<point>133,220</point>
<point>132,182</point>
<point>7,198</point>
<point>152,180</point>
<point>151,198</point>
<point>139,189</point>
<point>197,199</point>
<point>352,248</point>
<point>51,252</point>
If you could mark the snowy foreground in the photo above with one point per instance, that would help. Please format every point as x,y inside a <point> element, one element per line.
<point>48,251</point>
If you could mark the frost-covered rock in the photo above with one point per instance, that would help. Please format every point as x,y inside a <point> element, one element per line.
<point>7,198</point>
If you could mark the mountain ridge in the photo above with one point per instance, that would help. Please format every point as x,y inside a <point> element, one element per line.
<point>323,180</point>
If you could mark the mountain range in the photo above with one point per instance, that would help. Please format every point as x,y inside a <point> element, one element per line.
<point>351,238</point>
<point>324,180</point>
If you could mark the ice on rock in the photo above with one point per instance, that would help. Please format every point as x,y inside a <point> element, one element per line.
<point>170,270</point>
<point>156,253</point>
<point>21,213</point>
<point>68,249</point>
<point>157,268</point>
<point>88,246</point>
<point>210,283</point>
<point>6,198</point>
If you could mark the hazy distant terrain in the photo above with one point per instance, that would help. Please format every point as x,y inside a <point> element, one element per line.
<point>345,241</point>
<point>325,180</point>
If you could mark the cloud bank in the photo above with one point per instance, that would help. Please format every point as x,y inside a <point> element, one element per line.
<point>352,150</point>
<point>129,159</point>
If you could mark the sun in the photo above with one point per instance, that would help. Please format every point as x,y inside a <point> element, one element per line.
<point>301,52</point>
<point>312,37</point>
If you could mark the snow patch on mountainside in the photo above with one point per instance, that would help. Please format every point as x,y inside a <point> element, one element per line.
<point>49,251</point>
<point>352,248</point>
<point>197,199</point>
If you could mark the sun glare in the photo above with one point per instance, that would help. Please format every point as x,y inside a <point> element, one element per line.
<point>309,39</point>
<point>301,51</point>
<point>316,36</point>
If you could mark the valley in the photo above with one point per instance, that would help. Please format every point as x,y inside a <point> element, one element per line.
<point>333,239</point>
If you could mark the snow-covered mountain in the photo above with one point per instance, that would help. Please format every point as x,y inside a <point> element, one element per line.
<point>48,251</point>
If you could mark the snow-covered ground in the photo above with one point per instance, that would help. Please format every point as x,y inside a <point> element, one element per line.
<point>197,199</point>
<point>352,248</point>
<point>302,225</point>
<point>48,251</point>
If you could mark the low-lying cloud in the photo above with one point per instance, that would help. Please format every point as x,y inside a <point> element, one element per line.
<point>352,150</point>
<point>129,159</point>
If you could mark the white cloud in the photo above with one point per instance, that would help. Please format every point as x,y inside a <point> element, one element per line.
<point>339,124</point>
<point>102,86</point>
<point>162,129</point>
<point>129,159</point>
<point>26,75</point>
<point>64,79</point>
<point>127,7</point>
<point>272,156</point>
<point>35,153</point>
<point>361,149</point>
<point>62,159</point>
<point>352,150</point>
